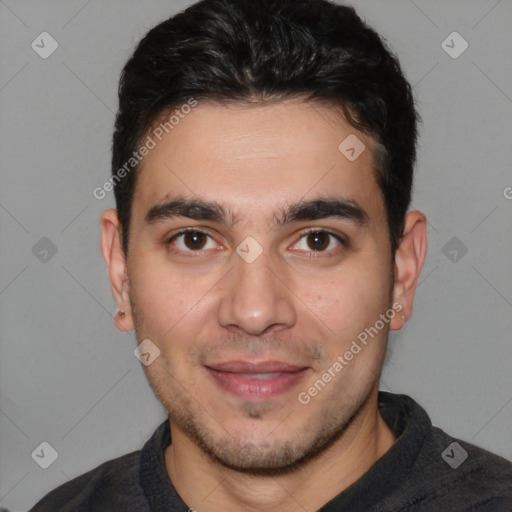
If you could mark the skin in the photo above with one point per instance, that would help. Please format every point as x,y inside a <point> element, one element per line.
<point>293,303</point>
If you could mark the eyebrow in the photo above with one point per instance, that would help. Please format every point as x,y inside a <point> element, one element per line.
<point>315,209</point>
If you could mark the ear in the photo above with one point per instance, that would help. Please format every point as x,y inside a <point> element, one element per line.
<point>112,250</point>
<point>409,259</point>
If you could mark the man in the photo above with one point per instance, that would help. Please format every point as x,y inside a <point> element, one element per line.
<point>262,250</point>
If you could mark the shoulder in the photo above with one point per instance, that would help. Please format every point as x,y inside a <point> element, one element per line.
<point>442,473</point>
<point>112,486</point>
<point>481,468</point>
<point>458,475</point>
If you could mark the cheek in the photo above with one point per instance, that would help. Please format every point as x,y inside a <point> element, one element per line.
<point>160,297</point>
<point>350,289</point>
<point>349,300</point>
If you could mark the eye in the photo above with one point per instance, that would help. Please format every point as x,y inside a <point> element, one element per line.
<point>319,241</point>
<point>191,241</point>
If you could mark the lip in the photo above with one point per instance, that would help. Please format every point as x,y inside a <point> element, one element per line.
<point>256,381</point>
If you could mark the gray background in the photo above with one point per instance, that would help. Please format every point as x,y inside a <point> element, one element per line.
<point>69,378</point>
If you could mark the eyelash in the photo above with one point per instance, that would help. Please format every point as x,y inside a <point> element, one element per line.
<point>332,252</point>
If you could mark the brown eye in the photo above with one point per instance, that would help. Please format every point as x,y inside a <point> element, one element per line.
<point>191,242</point>
<point>194,240</point>
<point>318,241</point>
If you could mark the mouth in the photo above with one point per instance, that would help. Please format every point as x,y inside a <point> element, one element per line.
<point>256,382</point>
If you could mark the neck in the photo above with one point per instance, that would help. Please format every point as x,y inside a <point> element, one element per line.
<point>208,486</point>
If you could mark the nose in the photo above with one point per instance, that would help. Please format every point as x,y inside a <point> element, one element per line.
<point>256,298</point>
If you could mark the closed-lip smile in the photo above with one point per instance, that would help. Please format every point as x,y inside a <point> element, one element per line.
<point>256,381</point>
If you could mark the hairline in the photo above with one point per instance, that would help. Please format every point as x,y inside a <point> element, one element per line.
<point>378,151</point>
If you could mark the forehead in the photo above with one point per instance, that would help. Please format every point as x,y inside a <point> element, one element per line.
<point>254,158</point>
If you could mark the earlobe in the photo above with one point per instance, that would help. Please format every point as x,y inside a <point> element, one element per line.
<point>122,321</point>
<point>409,259</point>
<point>112,251</point>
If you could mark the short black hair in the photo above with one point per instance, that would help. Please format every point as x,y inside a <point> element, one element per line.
<point>260,51</point>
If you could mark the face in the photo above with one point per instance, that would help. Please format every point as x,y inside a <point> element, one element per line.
<point>258,253</point>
